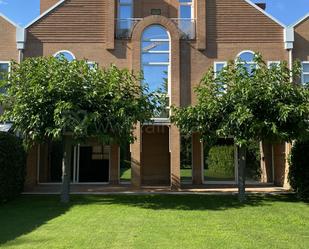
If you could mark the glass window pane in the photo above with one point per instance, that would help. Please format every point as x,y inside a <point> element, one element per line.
<point>250,67</point>
<point>306,78</point>
<point>156,77</point>
<point>246,56</point>
<point>185,11</point>
<point>125,12</point>
<point>4,69</point>
<point>306,67</point>
<point>148,58</point>
<point>219,67</point>
<point>125,1</point>
<point>155,32</point>
<point>155,46</point>
<point>65,55</point>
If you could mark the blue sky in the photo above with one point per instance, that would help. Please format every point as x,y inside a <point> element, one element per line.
<point>286,11</point>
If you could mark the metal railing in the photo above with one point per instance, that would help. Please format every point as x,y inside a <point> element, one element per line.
<point>186,26</point>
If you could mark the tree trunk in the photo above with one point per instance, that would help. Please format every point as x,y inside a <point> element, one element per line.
<point>66,169</point>
<point>242,174</point>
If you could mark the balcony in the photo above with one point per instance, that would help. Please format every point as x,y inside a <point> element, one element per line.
<point>186,26</point>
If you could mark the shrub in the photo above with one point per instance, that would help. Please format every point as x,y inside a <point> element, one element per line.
<point>299,169</point>
<point>253,161</point>
<point>12,166</point>
<point>221,159</point>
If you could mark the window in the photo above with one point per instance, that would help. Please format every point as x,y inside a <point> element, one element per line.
<point>186,9</point>
<point>125,14</point>
<point>155,58</point>
<point>65,54</point>
<point>247,58</point>
<point>305,74</point>
<point>218,67</point>
<point>92,64</point>
<point>272,64</point>
<point>4,70</point>
<point>186,18</point>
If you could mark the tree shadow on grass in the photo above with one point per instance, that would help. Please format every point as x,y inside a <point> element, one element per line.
<point>184,202</point>
<point>26,213</point>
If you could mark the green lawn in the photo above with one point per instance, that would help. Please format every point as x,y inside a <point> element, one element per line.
<point>186,174</point>
<point>125,174</point>
<point>154,221</point>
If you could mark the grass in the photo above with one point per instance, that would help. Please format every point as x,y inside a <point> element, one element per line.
<point>154,221</point>
<point>186,174</point>
<point>125,174</point>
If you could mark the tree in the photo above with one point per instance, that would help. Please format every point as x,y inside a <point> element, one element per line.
<point>249,104</point>
<point>54,99</point>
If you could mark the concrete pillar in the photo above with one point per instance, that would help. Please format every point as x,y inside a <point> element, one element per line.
<point>175,157</point>
<point>114,164</point>
<point>136,149</point>
<point>197,160</point>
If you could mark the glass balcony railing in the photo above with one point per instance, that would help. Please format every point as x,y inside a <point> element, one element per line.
<point>186,26</point>
<point>124,27</point>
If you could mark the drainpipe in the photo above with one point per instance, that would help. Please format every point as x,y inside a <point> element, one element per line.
<point>289,45</point>
<point>20,42</point>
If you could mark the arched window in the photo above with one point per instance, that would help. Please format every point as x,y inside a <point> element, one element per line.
<point>69,56</point>
<point>247,58</point>
<point>155,61</point>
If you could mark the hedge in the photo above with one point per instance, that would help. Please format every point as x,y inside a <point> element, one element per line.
<point>221,159</point>
<point>12,166</point>
<point>299,169</point>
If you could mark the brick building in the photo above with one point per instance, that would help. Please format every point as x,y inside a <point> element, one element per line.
<point>179,40</point>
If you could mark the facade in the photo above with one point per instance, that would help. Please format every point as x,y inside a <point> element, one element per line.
<point>174,42</point>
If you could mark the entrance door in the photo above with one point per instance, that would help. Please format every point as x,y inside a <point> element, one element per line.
<point>93,164</point>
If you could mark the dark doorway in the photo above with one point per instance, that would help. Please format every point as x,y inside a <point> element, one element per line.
<point>93,167</point>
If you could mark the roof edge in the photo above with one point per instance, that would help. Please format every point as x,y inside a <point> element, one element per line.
<point>265,13</point>
<point>9,20</point>
<point>44,14</point>
<point>299,21</point>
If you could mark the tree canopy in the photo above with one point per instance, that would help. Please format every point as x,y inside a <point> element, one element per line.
<point>47,97</point>
<point>257,103</point>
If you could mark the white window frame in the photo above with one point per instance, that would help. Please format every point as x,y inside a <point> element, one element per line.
<point>238,59</point>
<point>245,51</point>
<point>168,64</point>
<point>9,69</point>
<point>215,66</point>
<point>273,62</point>
<point>303,73</point>
<point>7,62</point>
<point>91,63</point>
<point>64,51</point>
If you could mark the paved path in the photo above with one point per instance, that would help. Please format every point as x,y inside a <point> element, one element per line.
<point>127,189</point>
